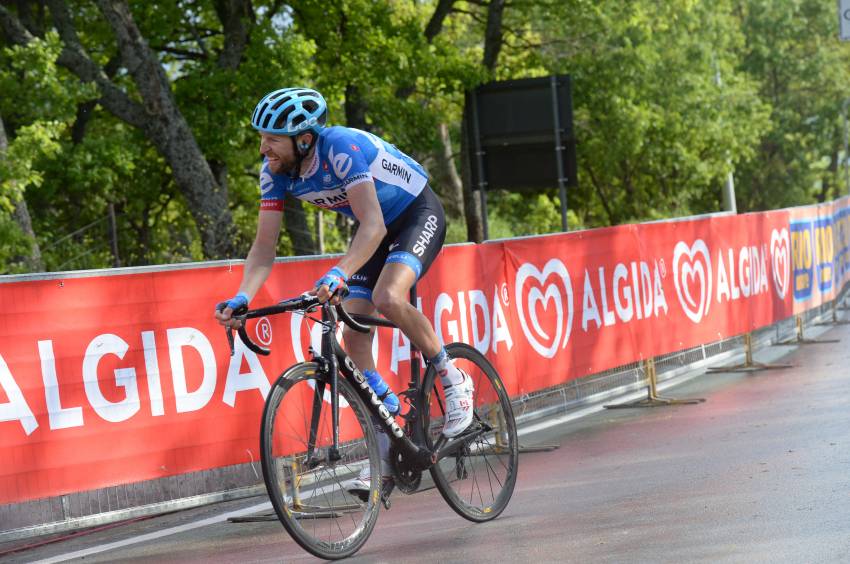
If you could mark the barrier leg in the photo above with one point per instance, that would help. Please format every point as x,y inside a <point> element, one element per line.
<point>801,340</point>
<point>299,509</point>
<point>500,447</point>
<point>835,320</point>
<point>749,365</point>
<point>843,303</point>
<point>653,399</point>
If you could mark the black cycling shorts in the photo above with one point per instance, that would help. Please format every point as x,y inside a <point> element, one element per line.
<point>414,238</point>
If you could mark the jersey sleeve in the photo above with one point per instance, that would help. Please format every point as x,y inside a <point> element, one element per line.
<point>272,189</point>
<point>348,159</point>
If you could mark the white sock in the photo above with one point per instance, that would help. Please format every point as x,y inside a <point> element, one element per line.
<point>449,375</point>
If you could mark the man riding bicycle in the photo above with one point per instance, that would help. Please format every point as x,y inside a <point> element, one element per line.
<point>401,229</point>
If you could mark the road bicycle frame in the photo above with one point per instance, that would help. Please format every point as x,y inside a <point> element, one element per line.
<point>333,360</point>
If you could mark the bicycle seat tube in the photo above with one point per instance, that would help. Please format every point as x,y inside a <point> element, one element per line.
<point>414,352</point>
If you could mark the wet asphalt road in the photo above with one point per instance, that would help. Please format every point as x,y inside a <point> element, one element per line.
<point>760,472</point>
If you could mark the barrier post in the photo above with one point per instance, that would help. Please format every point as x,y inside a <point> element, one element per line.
<point>749,365</point>
<point>653,399</point>
<point>801,340</point>
<point>835,307</point>
<point>299,508</point>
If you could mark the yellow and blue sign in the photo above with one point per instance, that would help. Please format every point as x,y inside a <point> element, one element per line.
<point>803,255</point>
<point>820,249</point>
<point>813,249</point>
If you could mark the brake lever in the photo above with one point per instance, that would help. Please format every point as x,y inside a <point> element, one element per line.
<point>229,332</point>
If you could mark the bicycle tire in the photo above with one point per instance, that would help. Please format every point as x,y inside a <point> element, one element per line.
<point>477,481</point>
<point>333,523</point>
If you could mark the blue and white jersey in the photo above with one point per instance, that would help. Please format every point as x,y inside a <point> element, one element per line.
<point>348,157</point>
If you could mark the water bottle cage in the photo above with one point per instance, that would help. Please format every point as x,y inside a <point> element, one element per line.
<point>408,394</point>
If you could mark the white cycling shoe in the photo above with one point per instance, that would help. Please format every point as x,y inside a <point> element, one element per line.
<point>459,406</point>
<point>362,485</point>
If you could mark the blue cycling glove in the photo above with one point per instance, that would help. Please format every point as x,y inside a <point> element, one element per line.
<point>334,280</point>
<point>234,303</point>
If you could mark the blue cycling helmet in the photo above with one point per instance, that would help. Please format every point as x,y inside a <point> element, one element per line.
<point>290,111</point>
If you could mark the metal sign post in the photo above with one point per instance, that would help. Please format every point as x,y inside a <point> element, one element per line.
<point>844,107</point>
<point>559,148</point>
<point>844,20</point>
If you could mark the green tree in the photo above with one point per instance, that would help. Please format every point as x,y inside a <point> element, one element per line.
<point>655,131</point>
<point>793,51</point>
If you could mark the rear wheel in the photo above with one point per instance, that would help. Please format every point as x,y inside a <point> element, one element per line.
<point>307,487</point>
<point>478,479</point>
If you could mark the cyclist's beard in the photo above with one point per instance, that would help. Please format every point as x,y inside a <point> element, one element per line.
<point>280,165</point>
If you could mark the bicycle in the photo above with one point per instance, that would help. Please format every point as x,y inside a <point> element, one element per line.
<point>318,432</point>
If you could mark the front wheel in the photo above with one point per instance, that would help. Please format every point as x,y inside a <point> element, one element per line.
<point>478,479</point>
<point>307,484</point>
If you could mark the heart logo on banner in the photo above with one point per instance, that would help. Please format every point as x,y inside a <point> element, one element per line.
<point>780,251</point>
<point>527,305</point>
<point>692,275</point>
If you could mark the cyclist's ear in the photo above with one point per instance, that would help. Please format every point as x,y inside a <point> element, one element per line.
<point>304,141</point>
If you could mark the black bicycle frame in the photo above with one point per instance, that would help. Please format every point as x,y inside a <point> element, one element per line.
<point>332,360</point>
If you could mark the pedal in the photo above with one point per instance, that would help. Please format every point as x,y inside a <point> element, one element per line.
<point>387,488</point>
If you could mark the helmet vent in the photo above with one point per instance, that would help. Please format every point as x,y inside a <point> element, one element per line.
<point>262,110</point>
<point>280,122</point>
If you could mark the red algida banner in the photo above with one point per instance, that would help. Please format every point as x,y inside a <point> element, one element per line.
<point>116,379</point>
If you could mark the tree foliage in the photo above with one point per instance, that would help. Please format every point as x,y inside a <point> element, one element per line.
<point>142,108</point>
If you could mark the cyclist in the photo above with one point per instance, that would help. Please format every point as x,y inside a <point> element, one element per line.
<point>401,228</point>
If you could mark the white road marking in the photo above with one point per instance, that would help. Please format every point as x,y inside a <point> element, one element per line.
<point>524,430</point>
<point>158,534</point>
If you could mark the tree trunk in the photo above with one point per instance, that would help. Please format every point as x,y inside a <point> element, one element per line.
<point>237,20</point>
<point>21,215</point>
<point>471,194</point>
<point>448,173</point>
<point>493,40</point>
<point>33,261</point>
<point>295,222</point>
<point>493,33</point>
<point>166,127</point>
<point>355,108</point>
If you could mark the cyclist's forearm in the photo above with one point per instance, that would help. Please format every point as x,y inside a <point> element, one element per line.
<point>258,266</point>
<point>363,246</point>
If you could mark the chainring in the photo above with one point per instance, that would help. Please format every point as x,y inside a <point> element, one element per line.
<point>407,480</point>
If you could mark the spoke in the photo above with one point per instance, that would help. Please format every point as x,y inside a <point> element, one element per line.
<point>493,470</point>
